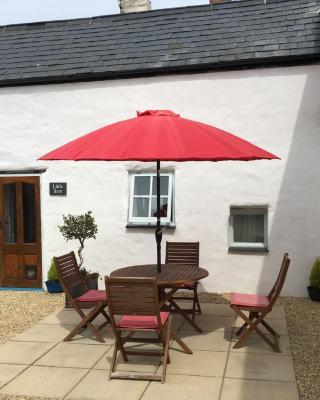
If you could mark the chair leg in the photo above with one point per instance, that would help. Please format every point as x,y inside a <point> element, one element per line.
<point>268,327</point>
<point>120,346</point>
<point>163,337</point>
<point>253,327</point>
<point>243,327</point>
<point>113,361</point>
<point>180,342</point>
<point>106,316</point>
<point>166,358</point>
<point>194,307</point>
<point>86,323</point>
<point>196,295</point>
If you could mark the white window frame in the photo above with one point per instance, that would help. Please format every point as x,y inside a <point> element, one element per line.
<point>151,220</point>
<point>248,210</point>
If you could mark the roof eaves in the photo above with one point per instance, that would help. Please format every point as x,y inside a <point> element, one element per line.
<point>162,70</point>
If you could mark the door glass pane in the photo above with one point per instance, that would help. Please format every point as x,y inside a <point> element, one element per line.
<point>140,207</point>
<point>163,207</point>
<point>248,228</point>
<point>10,213</point>
<point>29,213</point>
<point>142,185</point>
<point>164,185</point>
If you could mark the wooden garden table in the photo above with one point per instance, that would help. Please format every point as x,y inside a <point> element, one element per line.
<point>172,276</point>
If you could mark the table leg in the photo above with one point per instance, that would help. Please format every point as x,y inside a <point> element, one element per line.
<point>185,315</point>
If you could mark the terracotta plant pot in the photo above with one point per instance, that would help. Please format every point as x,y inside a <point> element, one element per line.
<point>54,287</point>
<point>314,293</point>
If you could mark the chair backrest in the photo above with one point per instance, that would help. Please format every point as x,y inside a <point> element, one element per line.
<point>277,287</point>
<point>69,273</point>
<point>132,296</point>
<point>182,253</point>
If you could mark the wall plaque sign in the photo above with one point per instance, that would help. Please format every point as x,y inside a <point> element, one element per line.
<point>58,188</point>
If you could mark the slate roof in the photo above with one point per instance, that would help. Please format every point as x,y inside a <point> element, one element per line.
<point>231,34</point>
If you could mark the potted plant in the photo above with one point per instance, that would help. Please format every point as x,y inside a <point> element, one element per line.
<point>81,227</point>
<point>53,283</point>
<point>314,279</point>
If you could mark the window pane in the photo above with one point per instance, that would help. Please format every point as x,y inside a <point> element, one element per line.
<point>29,213</point>
<point>142,185</point>
<point>164,185</point>
<point>248,228</point>
<point>140,207</point>
<point>10,213</point>
<point>163,207</point>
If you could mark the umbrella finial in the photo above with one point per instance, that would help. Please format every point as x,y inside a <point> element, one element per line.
<point>157,113</point>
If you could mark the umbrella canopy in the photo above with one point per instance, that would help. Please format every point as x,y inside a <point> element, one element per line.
<point>158,135</point>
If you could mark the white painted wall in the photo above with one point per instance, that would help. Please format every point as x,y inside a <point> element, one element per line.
<point>278,109</point>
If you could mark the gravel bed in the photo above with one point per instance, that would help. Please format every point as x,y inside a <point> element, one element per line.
<point>20,310</point>
<point>303,318</point>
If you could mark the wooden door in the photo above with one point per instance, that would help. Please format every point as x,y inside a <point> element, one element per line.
<point>20,232</point>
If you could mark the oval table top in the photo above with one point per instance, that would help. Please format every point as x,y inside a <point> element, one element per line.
<point>171,274</point>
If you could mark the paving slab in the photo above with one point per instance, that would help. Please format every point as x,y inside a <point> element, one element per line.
<point>180,387</point>
<point>255,344</point>
<point>75,356</point>
<point>279,325</point>
<point>210,323</point>
<point>62,317</point>
<point>78,369</point>
<point>240,389</point>
<point>44,333</point>
<point>95,386</point>
<point>201,363</point>
<point>209,341</point>
<point>140,364</point>
<point>68,316</point>
<point>8,372</point>
<point>211,309</point>
<point>39,381</point>
<point>86,337</point>
<point>13,352</point>
<point>256,366</point>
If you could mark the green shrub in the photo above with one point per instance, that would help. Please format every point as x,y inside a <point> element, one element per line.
<point>52,273</point>
<point>315,274</point>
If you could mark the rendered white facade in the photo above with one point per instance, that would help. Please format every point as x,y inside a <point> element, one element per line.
<point>276,108</point>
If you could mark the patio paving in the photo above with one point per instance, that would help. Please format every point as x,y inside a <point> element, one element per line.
<point>38,363</point>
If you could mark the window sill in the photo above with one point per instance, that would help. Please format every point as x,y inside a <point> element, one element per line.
<point>131,225</point>
<point>248,249</point>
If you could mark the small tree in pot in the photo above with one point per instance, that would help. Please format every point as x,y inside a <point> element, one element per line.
<point>81,227</point>
<point>314,279</point>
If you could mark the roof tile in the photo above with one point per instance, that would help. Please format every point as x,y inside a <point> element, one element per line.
<point>229,34</point>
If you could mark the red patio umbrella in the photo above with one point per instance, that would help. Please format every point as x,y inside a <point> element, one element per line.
<point>158,135</point>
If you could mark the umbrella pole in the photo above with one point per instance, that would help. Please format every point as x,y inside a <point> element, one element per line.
<point>158,229</point>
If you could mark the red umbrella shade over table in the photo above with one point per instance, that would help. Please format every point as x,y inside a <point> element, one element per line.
<point>159,135</point>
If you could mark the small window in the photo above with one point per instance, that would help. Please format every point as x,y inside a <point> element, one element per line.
<point>143,199</point>
<point>248,229</point>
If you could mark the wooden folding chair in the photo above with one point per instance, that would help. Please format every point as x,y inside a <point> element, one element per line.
<point>136,301</point>
<point>69,276</point>
<point>258,308</point>
<point>185,253</point>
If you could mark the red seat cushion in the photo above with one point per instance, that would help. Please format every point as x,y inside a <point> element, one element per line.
<point>189,285</point>
<point>93,295</point>
<point>142,321</point>
<point>249,300</point>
